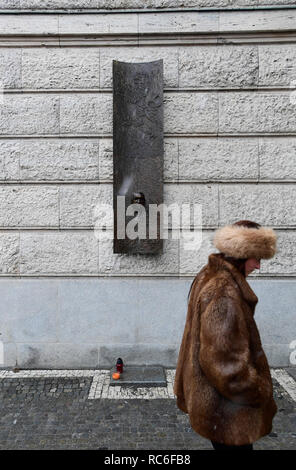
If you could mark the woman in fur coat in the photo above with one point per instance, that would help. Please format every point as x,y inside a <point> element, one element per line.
<point>222,377</point>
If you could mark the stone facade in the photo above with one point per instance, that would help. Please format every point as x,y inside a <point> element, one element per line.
<point>230,142</point>
<point>137,4</point>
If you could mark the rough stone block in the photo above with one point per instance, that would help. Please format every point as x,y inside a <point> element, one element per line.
<point>10,69</point>
<point>171,159</point>
<point>190,113</point>
<point>277,158</point>
<point>7,4</point>
<point>78,204</point>
<point>9,253</point>
<point>204,194</point>
<point>106,159</point>
<point>129,4</point>
<point>219,66</point>
<point>284,261</point>
<point>218,159</point>
<point>9,159</point>
<point>86,114</point>
<point>264,203</point>
<point>61,68</point>
<point>277,65</point>
<point>53,4</point>
<point>29,206</point>
<point>54,159</point>
<point>29,114</point>
<point>254,113</point>
<point>108,4</point>
<point>193,259</point>
<point>59,253</point>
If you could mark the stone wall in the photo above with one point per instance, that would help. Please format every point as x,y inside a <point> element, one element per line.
<point>230,142</point>
<point>138,4</point>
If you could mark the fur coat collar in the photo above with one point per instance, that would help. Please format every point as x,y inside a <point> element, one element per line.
<point>217,263</point>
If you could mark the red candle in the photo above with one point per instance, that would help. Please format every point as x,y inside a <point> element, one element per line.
<point>119,365</point>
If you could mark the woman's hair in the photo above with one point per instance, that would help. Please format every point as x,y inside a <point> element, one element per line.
<point>239,263</point>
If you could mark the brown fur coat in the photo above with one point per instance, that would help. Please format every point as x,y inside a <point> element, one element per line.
<point>222,378</point>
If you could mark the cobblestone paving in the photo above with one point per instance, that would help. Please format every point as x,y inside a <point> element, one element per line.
<point>56,413</point>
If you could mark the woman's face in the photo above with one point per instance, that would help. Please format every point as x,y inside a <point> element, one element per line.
<point>251,264</point>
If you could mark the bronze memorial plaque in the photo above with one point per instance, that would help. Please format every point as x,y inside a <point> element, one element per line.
<point>137,156</point>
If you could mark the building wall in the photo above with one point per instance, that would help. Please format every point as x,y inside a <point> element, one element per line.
<point>230,144</point>
<point>139,4</point>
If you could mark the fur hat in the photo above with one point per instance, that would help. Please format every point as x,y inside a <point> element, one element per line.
<point>240,241</point>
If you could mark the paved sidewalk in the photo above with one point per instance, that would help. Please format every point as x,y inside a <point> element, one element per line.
<point>79,410</point>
